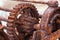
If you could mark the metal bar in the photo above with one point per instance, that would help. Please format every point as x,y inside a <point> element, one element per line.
<point>49,3</point>
<point>36,2</point>
<point>8,10</point>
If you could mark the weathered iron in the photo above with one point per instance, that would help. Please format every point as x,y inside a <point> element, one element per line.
<point>49,3</point>
<point>49,26</point>
<point>23,22</point>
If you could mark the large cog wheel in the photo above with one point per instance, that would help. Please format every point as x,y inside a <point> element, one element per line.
<point>13,18</point>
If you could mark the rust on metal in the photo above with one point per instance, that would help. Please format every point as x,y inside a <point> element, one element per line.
<point>23,22</point>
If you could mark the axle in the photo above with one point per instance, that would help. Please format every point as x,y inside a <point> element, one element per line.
<point>49,3</point>
<point>8,10</point>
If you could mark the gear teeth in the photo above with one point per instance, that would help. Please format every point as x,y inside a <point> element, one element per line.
<point>12,17</point>
<point>15,8</point>
<point>12,14</point>
<point>9,28</point>
<point>10,32</point>
<point>10,20</point>
<point>10,24</point>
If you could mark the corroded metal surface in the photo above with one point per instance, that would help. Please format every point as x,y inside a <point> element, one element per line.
<point>49,3</point>
<point>29,17</point>
<point>49,24</point>
<point>23,23</point>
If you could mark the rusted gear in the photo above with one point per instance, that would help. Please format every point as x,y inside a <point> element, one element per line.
<point>20,7</point>
<point>11,28</point>
<point>50,20</point>
<point>13,18</point>
<point>29,14</point>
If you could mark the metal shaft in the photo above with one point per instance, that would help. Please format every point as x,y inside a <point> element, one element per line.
<point>49,3</point>
<point>8,10</point>
<point>36,2</point>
